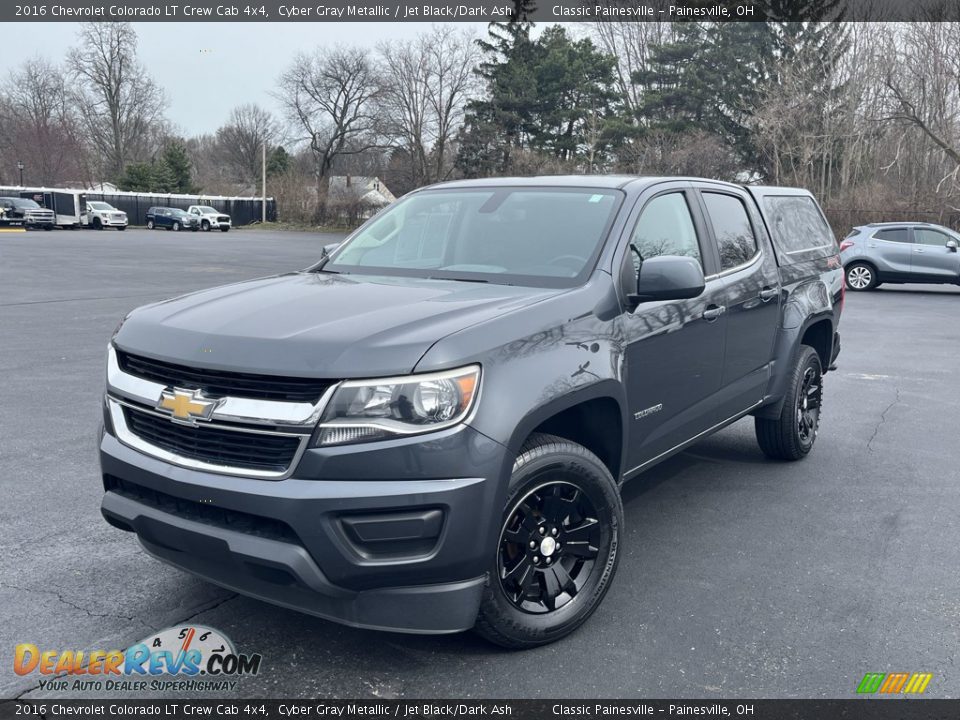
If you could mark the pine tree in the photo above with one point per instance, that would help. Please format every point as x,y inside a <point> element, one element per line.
<point>174,169</point>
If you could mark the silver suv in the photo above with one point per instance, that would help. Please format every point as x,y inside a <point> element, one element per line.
<point>899,253</point>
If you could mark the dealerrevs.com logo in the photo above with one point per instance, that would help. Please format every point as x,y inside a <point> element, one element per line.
<point>188,658</point>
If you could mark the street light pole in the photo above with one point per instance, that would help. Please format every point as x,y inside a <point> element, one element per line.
<point>263,185</point>
<point>20,168</point>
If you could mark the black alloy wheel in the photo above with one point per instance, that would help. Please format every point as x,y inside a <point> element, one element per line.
<point>808,405</point>
<point>556,546</point>
<point>548,547</point>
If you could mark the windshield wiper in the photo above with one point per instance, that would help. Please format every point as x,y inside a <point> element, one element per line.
<point>456,279</point>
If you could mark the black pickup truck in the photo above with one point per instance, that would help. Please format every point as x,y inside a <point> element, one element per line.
<point>427,431</point>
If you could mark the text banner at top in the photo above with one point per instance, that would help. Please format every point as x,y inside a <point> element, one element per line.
<point>444,11</point>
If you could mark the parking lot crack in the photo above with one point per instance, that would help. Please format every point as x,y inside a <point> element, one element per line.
<point>882,420</point>
<point>59,595</point>
<point>207,608</point>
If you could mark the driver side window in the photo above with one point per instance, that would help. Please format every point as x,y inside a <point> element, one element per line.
<point>665,227</point>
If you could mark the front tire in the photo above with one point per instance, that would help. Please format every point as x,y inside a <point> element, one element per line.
<point>557,549</point>
<point>205,225</point>
<point>792,435</point>
<point>121,228</point>
<point>150,225</point>
<point>97,225</point>
<point>224,228</point>
<point>861,276</point>
<point>176,227</point>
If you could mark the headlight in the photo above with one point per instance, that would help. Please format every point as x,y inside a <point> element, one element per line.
<point>365,410</point>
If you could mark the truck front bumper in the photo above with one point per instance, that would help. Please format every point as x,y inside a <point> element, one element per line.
<point>374,535</point>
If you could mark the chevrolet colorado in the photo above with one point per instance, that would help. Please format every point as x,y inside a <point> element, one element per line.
<point>427,430</point>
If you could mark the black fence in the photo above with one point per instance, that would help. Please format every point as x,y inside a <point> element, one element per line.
<point>242,211</point>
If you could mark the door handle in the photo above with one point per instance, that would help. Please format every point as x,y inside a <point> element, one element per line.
<point>713,312</point>
<point>768,293</point>
<point>919,250</point>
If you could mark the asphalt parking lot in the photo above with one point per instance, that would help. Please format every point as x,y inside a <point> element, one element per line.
<point>740,577</point>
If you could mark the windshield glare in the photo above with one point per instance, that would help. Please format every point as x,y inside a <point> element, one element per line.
<point>207,209</point>
<point>101,206</point>
<point>524,236</point>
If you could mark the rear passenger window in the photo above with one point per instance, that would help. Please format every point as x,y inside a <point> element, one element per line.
<point>665,228</point>
<point>895,235</point>
<point>799,229</point>
<point>732,228</point>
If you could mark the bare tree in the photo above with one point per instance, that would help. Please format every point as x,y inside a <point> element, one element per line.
<point>426,84</point>
<point>242,139</point>
<point>631,43</point>
<point>924,82</point>
<point>331,98</point>
<point>120,103</point>
<point>37,124</point>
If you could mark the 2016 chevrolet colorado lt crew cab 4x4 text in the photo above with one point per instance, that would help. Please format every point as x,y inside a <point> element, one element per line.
<point>427,430</point>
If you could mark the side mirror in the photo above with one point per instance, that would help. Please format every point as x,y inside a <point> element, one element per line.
<point>952,245</point>
<point>667,277</point>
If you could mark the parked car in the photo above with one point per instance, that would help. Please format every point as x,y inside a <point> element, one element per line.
<point>100,215</point>
<point>210,218</point>
<point>31,213</point>
<point>171,219</point>
<point>896,252</point>
<point>427,431</point>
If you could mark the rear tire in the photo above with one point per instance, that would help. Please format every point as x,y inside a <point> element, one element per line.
<point>225,229</point>
<point>861,276</point>
<point>565,503</point>
<point>792,435</point>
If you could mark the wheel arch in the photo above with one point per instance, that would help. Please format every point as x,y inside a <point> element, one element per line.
<point>593,416</point>
<point>818,332</point>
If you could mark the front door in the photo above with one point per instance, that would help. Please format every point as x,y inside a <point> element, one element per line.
<point>674,348</point>
<point>932,260</point>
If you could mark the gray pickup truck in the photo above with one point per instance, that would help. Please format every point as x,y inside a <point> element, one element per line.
<point>427,431</point>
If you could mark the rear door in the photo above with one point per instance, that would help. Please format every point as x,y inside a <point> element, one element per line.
<point>892,251</point>
<point>932,260</point>
<point>751,294</point>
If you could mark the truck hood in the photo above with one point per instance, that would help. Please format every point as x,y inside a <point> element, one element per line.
<point>316,324</point>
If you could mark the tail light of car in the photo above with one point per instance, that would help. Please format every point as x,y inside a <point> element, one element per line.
<point>846,244</point>
<point>843,290</point>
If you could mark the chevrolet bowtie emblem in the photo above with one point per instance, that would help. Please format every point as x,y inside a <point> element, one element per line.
<point>186,406</point>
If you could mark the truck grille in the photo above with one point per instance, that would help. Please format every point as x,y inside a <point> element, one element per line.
<point>223,219</point>
<point>216,383</point>
<point>210,444</point>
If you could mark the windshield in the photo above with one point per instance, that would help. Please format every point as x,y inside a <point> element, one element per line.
<point>102,206</point>
<point>178,212</point>
<point>547,237</point>
<point>207,209</point>
<point>24,203</point>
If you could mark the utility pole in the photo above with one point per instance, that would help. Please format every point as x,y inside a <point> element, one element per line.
<point>263,185</point>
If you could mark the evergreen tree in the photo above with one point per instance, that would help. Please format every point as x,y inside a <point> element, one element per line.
<point>574,82</point>
<point>137,177</point>
<point>278,161</point>
<point>174,169</point>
